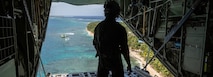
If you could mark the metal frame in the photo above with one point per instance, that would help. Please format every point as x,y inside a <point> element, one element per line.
<point>153,22</point>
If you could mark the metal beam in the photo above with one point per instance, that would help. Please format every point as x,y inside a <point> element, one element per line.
<point>175,28</point>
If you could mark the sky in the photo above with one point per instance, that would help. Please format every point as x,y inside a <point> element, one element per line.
<point>68,10</point>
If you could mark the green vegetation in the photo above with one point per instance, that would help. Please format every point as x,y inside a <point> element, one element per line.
<point>135,45</point>
<point>91,26</point>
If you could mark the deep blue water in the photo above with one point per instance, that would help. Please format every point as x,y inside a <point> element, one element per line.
<point>73,54</point>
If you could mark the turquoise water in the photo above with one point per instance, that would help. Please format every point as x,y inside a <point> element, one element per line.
<point>75,53</point>
<point>66,56</point>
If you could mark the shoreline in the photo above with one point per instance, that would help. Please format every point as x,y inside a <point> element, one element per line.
<point>139,59</point>
<point>89,32</point>
<point>136,55</point>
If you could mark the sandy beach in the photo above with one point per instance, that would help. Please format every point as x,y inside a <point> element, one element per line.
<point>139,59</point>
<point>89,32</point>
<point>142,62</point>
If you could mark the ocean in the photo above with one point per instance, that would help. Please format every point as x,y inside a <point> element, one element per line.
<point>73,52</point>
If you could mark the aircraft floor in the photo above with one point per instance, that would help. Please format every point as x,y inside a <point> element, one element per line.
<point>136,72</point>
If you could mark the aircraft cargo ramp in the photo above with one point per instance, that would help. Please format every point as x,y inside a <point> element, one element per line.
<point>179,32</point>
<point>136,72</point>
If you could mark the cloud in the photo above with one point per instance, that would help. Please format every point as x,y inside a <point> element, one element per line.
<point>65,9</point>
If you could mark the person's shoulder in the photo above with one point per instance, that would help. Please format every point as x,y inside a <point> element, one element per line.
<point>122,27</point>
<point>101,23</point>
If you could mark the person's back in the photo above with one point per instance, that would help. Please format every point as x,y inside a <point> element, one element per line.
<point>110,41</point>
<point>111,35</point>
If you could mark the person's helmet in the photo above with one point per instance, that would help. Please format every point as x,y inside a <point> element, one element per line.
<point>111,9</point>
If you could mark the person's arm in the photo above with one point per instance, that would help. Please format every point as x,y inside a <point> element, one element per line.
<point>127,58</point>
<point>96,48</point>
<point>95,42</point>
<point>125,50</point>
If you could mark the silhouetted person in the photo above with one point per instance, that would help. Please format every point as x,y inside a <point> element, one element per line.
<point>110,41</point>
